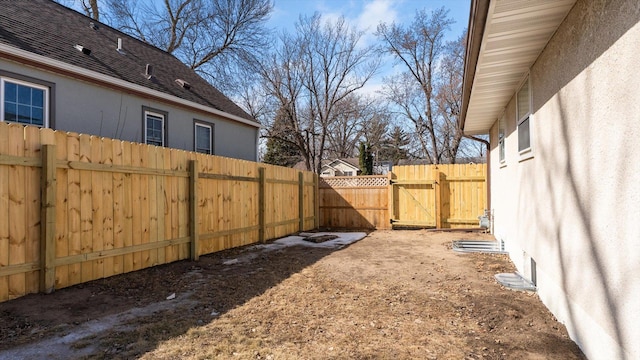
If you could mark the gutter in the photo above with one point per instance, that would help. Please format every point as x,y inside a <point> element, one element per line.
<point>477,22</point>
<point>58,66</point>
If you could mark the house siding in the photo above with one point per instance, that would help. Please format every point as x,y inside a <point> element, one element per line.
<point>574,207</point>
<point>89,108</point>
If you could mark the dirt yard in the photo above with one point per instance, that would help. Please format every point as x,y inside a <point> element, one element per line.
<point>391,295</point>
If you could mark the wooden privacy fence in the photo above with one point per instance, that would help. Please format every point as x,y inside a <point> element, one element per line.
<point>439,196</point>
<point>356,202</point>
<point>74,208</point>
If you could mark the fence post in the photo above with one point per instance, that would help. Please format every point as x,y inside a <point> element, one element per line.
<point>301,201</point>
<point>193,209</point>
<point>316,201</point>
<point>390,204</point>
<point>261,203</point>
<point>48,219</point>
<point>439,185</point>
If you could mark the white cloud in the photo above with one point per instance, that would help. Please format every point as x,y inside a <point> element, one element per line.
<point>375,12</point>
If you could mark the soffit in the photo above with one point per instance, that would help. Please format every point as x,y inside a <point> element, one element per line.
<point>516,32</point>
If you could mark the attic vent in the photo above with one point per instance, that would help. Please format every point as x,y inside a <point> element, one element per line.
<point>93,25</point>
<point>83,49</point>
<point>148,71</point>
<point>183,83</point>
<point>120,49</point>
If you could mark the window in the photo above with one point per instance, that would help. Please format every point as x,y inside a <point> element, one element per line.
<point>501,137</point>
<point>347,173</point>
<point>154,133</point>
<point>523,105</point>
<point>203,138</point>
<point>24,102</point>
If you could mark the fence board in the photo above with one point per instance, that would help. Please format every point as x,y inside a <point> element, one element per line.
<point>108,205</point>
<point>90,182</point>
<point>127,208</point>
<point>32,198</point>
<point>145,223</point>
<point>4,213</point>
<point>17,212</point>
<point>73,208</point>
<point>157,256</point>
<point>62,217</point>
<point>136,203</point>
<point>118,207</point>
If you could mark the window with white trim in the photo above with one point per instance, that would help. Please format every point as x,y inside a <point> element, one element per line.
<point>154,132</point>
<point>203,138</point>
<point>502,126</point>
<point>24,102</point>
<point>523,110</point>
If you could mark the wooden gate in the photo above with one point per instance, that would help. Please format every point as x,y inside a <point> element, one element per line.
<point>413,197</point>
<point>440,196</point>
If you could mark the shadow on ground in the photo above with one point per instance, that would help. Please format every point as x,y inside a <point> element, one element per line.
<point>130,314</point>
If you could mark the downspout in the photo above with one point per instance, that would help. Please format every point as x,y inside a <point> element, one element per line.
<point>488,145</point>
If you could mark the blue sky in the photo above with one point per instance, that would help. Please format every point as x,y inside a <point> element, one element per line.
<point>366,15</point>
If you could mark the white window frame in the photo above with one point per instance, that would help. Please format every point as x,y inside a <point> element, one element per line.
<point>526,152</point>
<point>158,115</point>
<point>502,138</point>
<point>45,104</point>
<point>195,136</point>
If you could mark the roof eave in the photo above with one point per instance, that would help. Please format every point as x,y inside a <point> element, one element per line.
<point>63,67</point>
<point>505,40</point>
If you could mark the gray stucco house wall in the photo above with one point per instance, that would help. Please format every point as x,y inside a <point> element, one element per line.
<point>107,93</point>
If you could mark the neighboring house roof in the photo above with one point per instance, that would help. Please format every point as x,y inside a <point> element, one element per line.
<point>35,31</point>
<point>460,160</point>
<point>352,162</point>
<point>349,162</point>
<point>505,38</point>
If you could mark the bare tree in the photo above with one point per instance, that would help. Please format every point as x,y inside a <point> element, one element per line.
<point>407,101</point>
<point>420,48</point>
<point>346,130</point>
<point>91,9</point>
<point>375,125</point>
<point>448,97</point>
<point>214,37</point>
<point>358,119</point>
<point>309,75</point>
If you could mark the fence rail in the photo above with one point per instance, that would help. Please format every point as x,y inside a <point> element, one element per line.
<point>74,208</point>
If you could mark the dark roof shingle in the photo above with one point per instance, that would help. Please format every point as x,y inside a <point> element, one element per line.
<point>46,28</point>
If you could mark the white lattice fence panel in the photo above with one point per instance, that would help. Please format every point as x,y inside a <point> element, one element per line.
<point>354,181</point>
